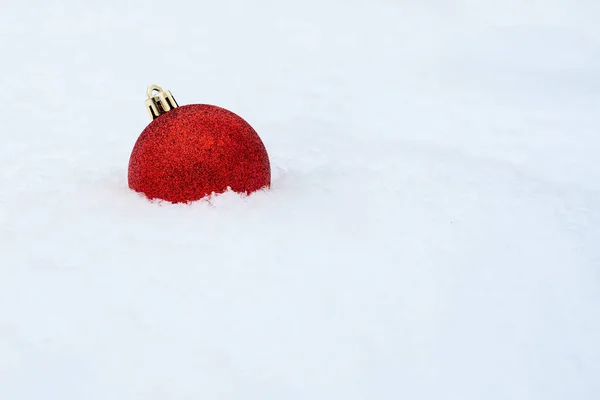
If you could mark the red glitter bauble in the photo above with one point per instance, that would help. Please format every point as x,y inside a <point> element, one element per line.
<point>195,150</point>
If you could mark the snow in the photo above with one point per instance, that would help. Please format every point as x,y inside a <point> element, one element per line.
<point>431,232</point>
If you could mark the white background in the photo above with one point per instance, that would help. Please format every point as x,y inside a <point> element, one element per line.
<point>432,230</point>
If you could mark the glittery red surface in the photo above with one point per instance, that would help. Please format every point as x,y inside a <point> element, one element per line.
<point>195,150</point>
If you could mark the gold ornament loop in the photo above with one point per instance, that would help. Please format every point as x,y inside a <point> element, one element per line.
<point>152,89</point>
<point>160,103</point>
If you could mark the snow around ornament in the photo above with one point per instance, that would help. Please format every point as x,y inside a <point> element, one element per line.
<point>192,151</point>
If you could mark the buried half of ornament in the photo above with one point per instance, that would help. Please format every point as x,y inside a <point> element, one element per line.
<point>195,150</point>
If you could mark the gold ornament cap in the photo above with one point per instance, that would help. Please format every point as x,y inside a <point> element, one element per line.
<point>159,101</point>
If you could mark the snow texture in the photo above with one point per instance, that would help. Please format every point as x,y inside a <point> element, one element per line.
<point>433,229</point>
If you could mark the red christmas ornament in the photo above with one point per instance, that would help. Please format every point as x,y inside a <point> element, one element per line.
<point>192,151</point>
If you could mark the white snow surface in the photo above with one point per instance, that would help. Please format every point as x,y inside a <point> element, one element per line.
<point>432,230</point>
